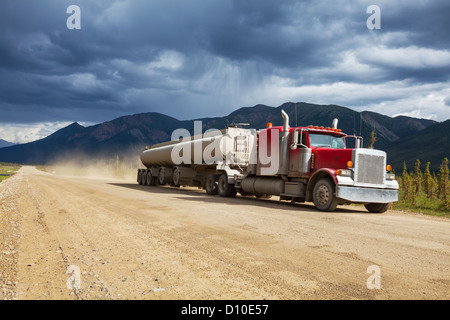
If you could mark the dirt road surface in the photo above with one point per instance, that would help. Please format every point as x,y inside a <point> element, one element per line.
<point>67,237</point>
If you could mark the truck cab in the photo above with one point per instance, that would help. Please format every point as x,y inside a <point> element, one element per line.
<point>315,164</point>
<point>341,175</point>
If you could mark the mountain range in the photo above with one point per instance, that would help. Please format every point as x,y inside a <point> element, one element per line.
<point>403,138</point>
<point>4,143</point>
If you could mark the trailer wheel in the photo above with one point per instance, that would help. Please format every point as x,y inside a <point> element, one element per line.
<point>162,176</point>
<point>144,177</point>
<point>224,188</point>
<point>323,195</point>
<point>176,177</point>
<point>211,185</point>
<point>139,176</point>
<point>377,207</point>
<point>149,180</point>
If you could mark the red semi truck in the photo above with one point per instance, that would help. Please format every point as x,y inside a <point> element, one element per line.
<point>297,164</point>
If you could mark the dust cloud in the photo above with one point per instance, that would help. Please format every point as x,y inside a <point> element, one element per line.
<point>113,168</point>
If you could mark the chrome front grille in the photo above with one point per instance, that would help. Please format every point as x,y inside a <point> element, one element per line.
<point>370,167</point>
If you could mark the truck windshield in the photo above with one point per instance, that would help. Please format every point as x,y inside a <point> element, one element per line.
<point>326,141</point>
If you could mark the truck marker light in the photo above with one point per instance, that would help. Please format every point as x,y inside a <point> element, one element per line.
<point>388,167</point>
<point>349,164</point>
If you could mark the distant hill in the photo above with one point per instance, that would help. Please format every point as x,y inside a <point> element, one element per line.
<point>351,122</point>
<point>431,144</point>
<point>127,136</point>
<point>4,143</point>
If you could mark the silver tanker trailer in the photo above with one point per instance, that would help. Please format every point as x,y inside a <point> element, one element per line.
<point>200,160</point>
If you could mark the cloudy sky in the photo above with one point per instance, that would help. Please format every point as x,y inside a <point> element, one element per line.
<point>205,58</point>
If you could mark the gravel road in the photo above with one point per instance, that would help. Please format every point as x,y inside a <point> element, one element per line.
<point>67,237</point>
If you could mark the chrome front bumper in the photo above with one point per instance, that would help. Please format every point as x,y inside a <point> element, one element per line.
<point>366,195</point>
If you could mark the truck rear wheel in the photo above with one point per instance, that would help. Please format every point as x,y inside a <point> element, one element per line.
<point>323,195</point>
<point>211,184</point>
<point>224,188</point>
<point>377,207</point>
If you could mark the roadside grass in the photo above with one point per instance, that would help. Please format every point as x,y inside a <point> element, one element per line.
<point>8,169</point>
<point>422,204</point>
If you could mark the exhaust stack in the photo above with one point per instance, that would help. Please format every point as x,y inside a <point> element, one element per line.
<point>335,123</point>
<point>285,121</point>
<point>284,152</point>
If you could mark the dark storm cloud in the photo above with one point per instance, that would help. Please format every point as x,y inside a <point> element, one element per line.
<point>204,58</point>
<point>425,23</point>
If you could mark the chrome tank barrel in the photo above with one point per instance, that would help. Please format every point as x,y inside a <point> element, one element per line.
<point>160,155</point>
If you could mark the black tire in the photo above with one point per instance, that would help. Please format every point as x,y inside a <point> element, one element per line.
<point>176,176</point>
<point>139,177</point>
<point>144,177</point>
<point>211,184</point>
<point>149,180</point>
<point>377,207</point>
<point>162,176</point>
<point>323,195</point>
<point>224,188</point>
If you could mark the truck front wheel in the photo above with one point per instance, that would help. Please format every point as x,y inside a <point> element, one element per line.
<point>377,207</point>
<point>323,195</point>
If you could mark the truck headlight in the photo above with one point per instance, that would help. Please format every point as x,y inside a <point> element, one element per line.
<point>344,172</point>
<point>390,176</point>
